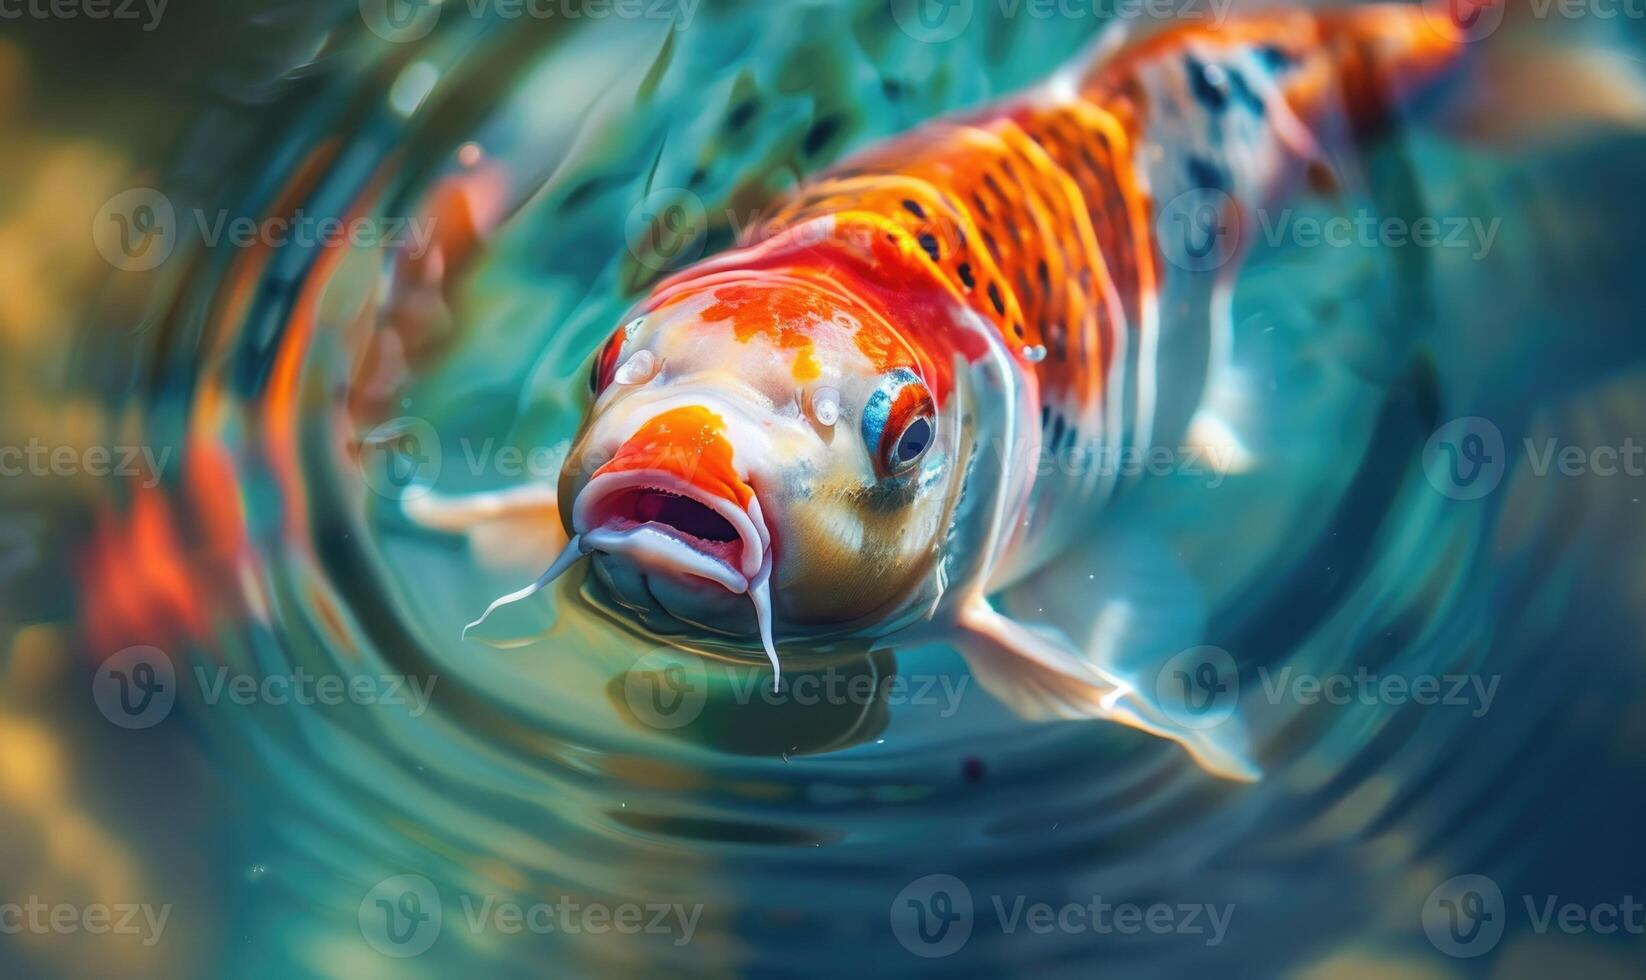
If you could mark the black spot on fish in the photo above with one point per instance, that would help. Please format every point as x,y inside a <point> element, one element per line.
<point>1057,431</point>
<point>1206,83</point>
<point>1045,416</point>
<point>996,299</point>
<point>697,178</point>
<point>928,242</point>
<point>1017,330</point>
<point>1045,279</point>
<point>915,209</point>
<point>992,184</point>
<point>966,276</point>
<point>1205,174</point>
<point>818,136</point>
<point>1242,91</point>
<point>741,115</point>
<point>581,194</point>
<point>1275,58</point>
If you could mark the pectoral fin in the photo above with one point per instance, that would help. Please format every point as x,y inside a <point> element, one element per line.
<point>1042,677</point>
<point>508,530</point>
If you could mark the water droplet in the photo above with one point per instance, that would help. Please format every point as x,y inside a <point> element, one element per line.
<point>640,368</point>
<point>826,406</point>
<point>413,85</point>
<point>1034,354</point>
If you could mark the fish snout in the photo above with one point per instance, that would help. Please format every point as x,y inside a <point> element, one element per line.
<point>672,499</point>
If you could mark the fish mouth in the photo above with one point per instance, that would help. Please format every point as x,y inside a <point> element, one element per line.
<point>663,523</point>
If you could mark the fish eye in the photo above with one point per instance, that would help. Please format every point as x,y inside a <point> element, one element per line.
<point>898,422</point>
<point>604,368</point>
<point>913,442</point>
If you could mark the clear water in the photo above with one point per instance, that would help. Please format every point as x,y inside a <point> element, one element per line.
<point>778,837</point>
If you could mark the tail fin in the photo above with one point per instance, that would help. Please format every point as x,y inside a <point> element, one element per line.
<point>1497,72</point>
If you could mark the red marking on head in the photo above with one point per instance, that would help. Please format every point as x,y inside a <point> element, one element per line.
<point>907,315</point>
<point>688,443</point>
<point>786,307</point>
<point>605,364</point>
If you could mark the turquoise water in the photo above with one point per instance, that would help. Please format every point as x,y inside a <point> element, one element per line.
<point>544,787</point>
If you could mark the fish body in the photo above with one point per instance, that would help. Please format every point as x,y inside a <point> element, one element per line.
<point>902,392</point>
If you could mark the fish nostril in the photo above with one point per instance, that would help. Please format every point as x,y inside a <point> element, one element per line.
<point>684,514</point>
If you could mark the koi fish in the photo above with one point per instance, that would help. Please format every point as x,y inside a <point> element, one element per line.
<point>830,429</point>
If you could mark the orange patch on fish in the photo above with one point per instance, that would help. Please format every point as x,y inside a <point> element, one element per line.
<point>784,317</point>
<point>689,443</point>
<point>787,308</point>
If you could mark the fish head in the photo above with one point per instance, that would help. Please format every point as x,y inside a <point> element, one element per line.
<point>762,438</point>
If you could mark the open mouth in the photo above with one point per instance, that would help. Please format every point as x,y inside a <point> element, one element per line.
<point>668,525</point>
<point>690,520</point>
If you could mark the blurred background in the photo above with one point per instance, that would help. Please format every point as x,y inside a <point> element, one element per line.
<point>268,268</point>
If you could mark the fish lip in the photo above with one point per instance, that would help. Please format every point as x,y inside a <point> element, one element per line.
<point>655,547</point>
<point>664,546</point>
